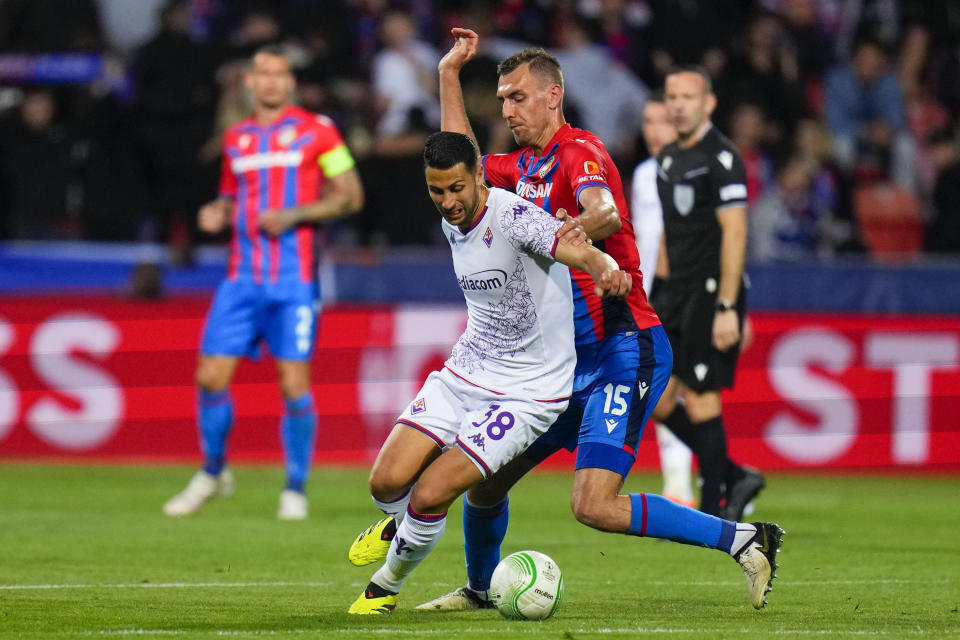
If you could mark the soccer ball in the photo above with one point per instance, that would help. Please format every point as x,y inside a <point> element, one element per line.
<point>527,585</point>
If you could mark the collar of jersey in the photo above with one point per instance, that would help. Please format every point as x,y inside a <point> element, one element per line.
<point>475,222</point>
<point>284,118</point>
<point>534,163</point>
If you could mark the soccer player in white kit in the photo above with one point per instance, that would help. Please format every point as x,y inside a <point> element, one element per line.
<point>647,217</point>
<point>509,376</point>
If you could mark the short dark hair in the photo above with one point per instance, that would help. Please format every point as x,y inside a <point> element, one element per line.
<point>698,70</point>
<point>272,49</point>
<point>447,149</point>
<point>542,64</point>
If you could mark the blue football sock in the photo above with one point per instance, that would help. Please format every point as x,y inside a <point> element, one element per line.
<point>657,517</point>
<point>483,531</point>
<point>298,428</point>
<point>215,417</point>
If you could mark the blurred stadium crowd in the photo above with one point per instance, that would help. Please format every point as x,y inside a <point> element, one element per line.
<point>846,112</point>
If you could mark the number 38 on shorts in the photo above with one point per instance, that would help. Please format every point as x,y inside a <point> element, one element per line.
<point>490,428</point>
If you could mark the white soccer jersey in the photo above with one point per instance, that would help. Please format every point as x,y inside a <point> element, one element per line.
<point>519,336</point>
<point>647,217</point>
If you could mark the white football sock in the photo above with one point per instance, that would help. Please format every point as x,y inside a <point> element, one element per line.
<point>675,461</point>
<point>744,534</point>
<point>397,508</point>
<point>416,537</point>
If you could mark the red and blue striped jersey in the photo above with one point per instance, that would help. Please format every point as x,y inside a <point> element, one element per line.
<point>283,164</point>
<point>574,160</point>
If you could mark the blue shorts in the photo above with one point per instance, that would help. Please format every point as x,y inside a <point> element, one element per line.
<point>617,383</point>
<point>244,313</point>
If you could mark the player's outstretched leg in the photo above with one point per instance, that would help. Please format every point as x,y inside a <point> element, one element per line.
<point>202,487</point>
<point>758,558</point>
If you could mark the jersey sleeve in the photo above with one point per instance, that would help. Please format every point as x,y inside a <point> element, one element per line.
<point>529,228</point>
<point>585,166</point>
<point>500,170</point>
<point>333,155</point>
<point>228,179</point>
<point>729,177</point>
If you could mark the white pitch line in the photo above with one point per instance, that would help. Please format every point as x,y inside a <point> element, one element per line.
<point>532,630</point>
<point>243,585</point>
<point>164,585</point>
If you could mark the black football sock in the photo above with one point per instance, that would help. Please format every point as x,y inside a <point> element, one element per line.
<point>712,456</point>
<point>374,590</point>
<point>679,423</point>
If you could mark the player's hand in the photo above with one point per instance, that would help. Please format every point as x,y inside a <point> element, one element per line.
<point>613,282</point>
<point>571,231</point>
<point>276,221</point>
<point>726,329</point>
<point>465,45</point>
<point>212,217</point>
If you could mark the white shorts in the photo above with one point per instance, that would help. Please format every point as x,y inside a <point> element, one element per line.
<point>490,427</point>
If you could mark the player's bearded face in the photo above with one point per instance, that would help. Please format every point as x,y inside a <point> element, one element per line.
<point>456,194</point>
<point>270,80</point>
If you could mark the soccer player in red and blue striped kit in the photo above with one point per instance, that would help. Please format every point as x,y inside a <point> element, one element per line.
<point>285,169</point>
<point>624,358</point>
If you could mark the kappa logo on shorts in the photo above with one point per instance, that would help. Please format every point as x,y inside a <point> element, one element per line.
<point>488,237</point>
<point>419,406</point>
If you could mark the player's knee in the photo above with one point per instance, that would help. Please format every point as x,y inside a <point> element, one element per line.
<point>385,485</point>
<point>211,380</point>
<point>487,493</point>
<point>430,498</point>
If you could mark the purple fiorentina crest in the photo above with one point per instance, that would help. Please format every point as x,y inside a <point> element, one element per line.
<point>488,237</point>
<point>418,406</point>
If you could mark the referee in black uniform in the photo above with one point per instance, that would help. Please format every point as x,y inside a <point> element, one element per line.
<point>699,292</point>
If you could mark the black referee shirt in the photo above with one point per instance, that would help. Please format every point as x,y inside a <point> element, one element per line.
<point>693,184</point>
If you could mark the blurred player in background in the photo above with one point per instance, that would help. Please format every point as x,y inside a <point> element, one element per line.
<point>647,217</point>
<point>623,355</point>
<point>699,292</point>
<point>509,375</point>
<point>284,170</point>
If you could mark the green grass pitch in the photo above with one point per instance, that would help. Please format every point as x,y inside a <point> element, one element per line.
<point>86,553</point>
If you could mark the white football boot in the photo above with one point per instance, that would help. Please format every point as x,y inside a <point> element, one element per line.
<point>293,505</point>
<point>202,487</point>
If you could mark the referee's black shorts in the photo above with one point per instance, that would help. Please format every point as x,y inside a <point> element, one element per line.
<point>686,310</point>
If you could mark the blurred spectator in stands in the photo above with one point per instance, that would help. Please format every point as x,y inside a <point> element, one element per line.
<point>865,113</point>
<point>174,109</point>
<point>624,31</point>
<point>924,115</point>
<point>943,231</point>
<point>50,25</point>
<point>787,222</point>
<point>828,189</point>
<point>404,86</point>
<point>748,132</point>
<point>589,72</point>
<point>35,161</point>
<point>814,51</point>
<point>692,32</point>
<point>764,71</point>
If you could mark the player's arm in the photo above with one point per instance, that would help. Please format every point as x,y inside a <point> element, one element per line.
<point>342,195</point>
<point>453,115</point>
<point>214,216</point>
<point>609,279</point>
<point>733,246</point>
<point>599,216</point>
<point>663,262</point>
